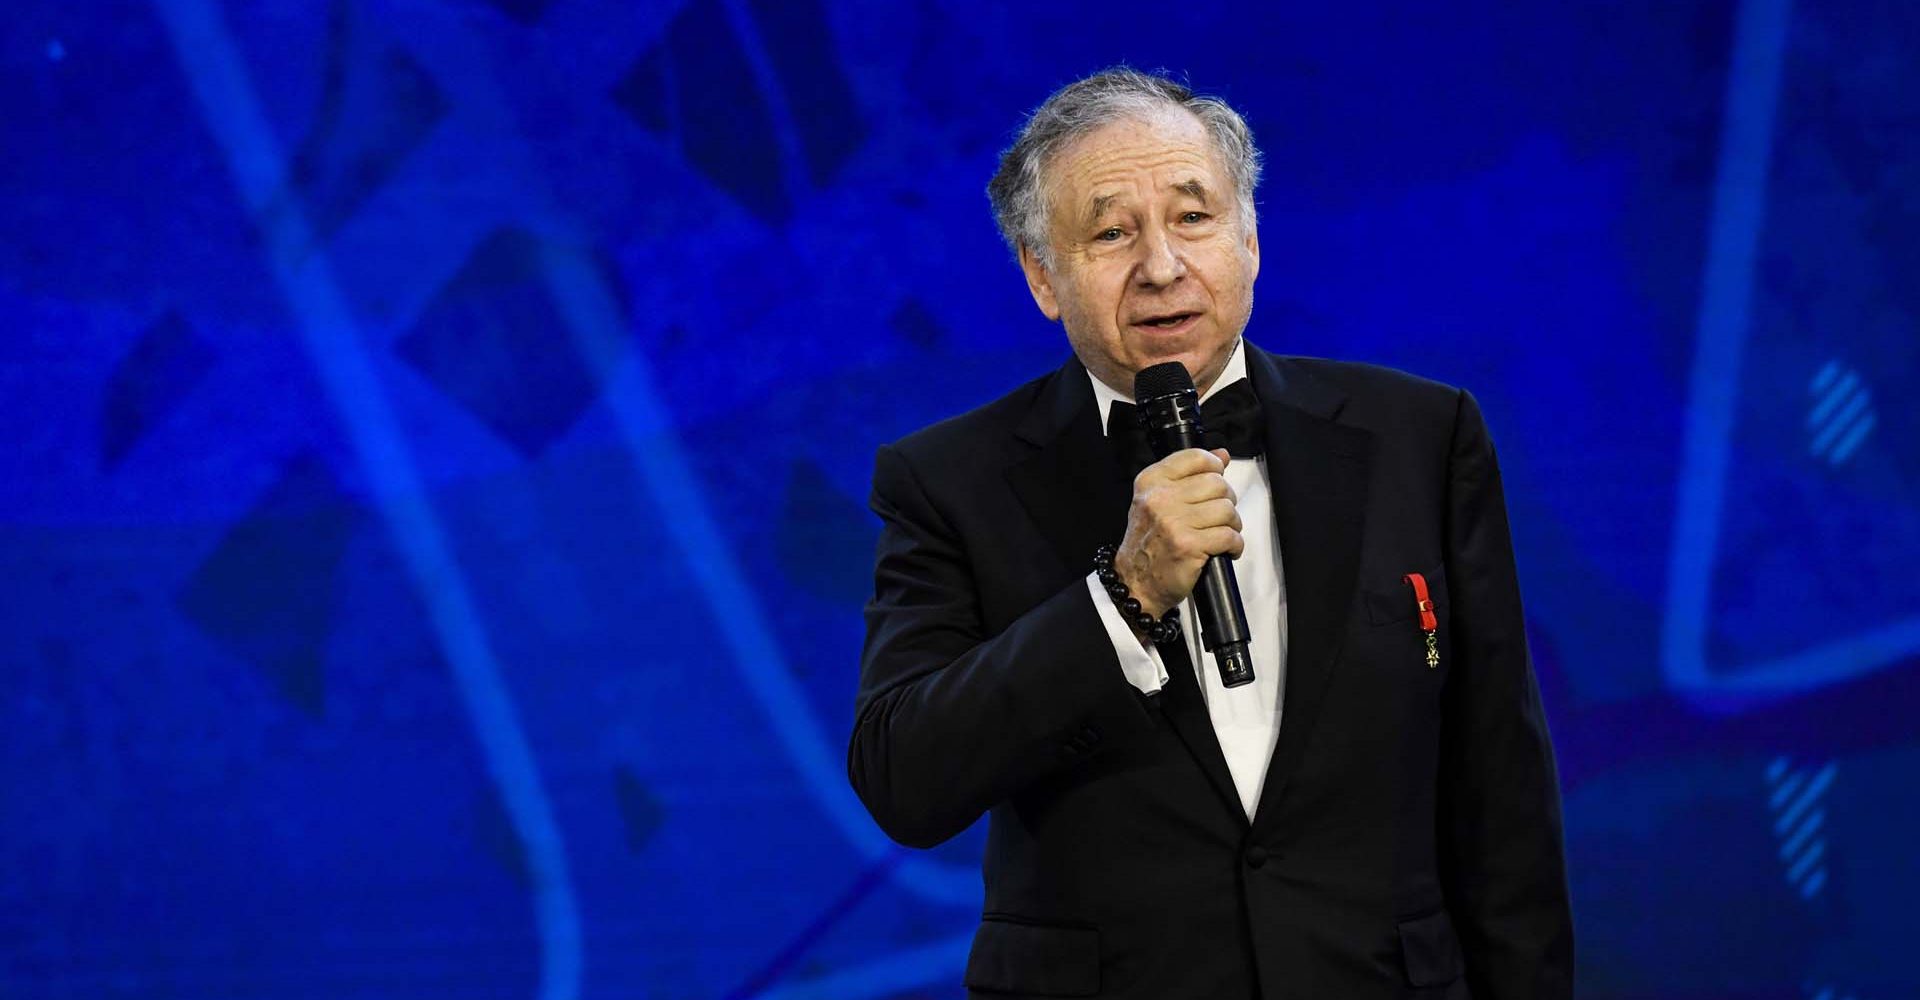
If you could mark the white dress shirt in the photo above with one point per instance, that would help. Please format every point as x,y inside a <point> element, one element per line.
<point>1246,719</point>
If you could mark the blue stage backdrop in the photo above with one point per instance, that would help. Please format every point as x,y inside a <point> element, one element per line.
<point>433,533</point>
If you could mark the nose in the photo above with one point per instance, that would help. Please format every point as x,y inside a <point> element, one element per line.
<point>1160,262</point>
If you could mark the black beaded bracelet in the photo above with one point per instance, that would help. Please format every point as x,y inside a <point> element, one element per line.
<point>1166,628</point>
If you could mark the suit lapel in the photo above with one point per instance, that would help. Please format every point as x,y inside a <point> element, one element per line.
<point>1186,709</point>
<point>1077,494</point>
<point>1072,485</point>
<point>1318,472</point>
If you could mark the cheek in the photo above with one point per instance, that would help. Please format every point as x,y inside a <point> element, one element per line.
<point>1233,275</point>
<point>1093,302</point>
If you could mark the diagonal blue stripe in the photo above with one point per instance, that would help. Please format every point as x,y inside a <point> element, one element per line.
<point>1841,421</point>
<point>1816,788</point>
<point>1815,820</point>
<point>1859,433</point>
<point>1739,201</point>
<point>1785,790</point>
<point>596,322</point>
<point>1807,861</point>
<point>1814,884</point>
<point>216,72</point>
<point>598,327</point>
<point>1739,197</point>
<point>1840,394</point>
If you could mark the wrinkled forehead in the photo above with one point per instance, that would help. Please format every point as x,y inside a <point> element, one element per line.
<point>1167,151</point>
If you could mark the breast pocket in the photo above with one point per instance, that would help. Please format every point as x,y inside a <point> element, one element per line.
<point>1393,609</point>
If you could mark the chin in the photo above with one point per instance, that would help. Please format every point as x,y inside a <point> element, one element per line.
<point>1194,360</point>
<point>1198,364</point>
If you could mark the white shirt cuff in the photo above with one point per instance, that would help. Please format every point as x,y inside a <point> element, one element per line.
<point>1138,661</point>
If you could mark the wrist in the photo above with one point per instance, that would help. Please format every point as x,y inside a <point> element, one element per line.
<point>1148,605</point>
<point>1154,624</point>
<point>1138,586</point>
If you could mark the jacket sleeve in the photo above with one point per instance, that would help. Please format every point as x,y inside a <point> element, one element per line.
<point>1501,848</point>
<point>950,720</point>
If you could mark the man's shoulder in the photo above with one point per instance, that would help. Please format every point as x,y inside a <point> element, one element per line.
<point>1369,382</point>
<point>1391,404</point>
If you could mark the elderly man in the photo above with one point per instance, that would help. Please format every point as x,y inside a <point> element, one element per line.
<point>1376,815</point>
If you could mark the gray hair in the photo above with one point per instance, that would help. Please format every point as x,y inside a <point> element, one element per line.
<point>1017,190</point>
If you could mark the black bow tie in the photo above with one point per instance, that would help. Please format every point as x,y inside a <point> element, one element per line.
<point>1232,416</point>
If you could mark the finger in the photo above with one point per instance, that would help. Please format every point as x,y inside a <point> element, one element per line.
<point>1213,514</point>
<point>1222,541</point>
<point>1226,457</point>
<point>1181,464</point>
<point>1200,488</point>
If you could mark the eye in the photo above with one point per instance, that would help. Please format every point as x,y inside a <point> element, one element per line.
<point>1191,218</point>
<point>1109,234</point>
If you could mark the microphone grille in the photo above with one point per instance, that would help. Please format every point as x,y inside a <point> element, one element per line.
<point>1165,379</point>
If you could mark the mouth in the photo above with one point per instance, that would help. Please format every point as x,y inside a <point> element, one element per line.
<point>1167,322</point>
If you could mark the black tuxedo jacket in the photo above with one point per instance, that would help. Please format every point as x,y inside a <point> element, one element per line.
<point>1407,841</point>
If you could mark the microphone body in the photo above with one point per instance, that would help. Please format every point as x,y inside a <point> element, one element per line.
<point>1170,413</point>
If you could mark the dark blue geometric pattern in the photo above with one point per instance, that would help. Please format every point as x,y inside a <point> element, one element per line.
<point>1826,519</point>
<point>640,810</point>
<point>646,94</point>
<point>816,90</point>
<point>156,375</point>
<point>494,340</point>
<point>426,716</point>
<point>726,130</point>
<point>376,105</point>
<point>266,593</point>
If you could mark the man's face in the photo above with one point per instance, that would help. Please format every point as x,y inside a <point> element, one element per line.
<point>1151,260</point>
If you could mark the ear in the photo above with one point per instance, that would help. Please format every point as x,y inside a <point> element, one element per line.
<point>1039,283</point>
<point>1253,249</point>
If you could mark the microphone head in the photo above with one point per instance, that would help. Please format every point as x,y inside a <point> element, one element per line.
<point>1168,378</point>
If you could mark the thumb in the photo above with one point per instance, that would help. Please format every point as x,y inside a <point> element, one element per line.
<point>1224,457</point>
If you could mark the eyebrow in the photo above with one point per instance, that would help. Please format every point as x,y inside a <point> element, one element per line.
<point>1194,189</point>
<point>1099,207</point>
<point>1191,188</point>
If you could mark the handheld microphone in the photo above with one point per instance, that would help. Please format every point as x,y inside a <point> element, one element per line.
<point>1170,413</point>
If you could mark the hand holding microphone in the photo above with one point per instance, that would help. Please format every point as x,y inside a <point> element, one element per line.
<point>1183,529</point>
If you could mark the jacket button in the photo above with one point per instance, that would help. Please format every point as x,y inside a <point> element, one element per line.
<point>1256,856</point>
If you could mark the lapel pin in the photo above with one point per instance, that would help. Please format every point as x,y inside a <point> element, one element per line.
<point>1429,622</point>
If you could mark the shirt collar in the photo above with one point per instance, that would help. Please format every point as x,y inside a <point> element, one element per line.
<point>1104,395</point>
